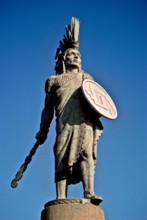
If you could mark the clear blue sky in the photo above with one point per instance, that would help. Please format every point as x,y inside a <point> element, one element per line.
<point>113,45</point>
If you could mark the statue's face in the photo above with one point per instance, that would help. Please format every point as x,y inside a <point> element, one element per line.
<point>72,58</point>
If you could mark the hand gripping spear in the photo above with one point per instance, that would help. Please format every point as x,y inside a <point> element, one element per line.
<point>23,167</point>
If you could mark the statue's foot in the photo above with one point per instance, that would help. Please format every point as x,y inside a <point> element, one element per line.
<point>92,196</point>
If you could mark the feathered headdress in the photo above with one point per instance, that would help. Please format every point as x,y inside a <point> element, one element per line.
<point>70,40</point>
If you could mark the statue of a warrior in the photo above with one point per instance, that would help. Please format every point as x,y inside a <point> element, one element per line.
<point>78,127</point>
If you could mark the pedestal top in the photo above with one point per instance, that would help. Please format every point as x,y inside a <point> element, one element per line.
<point>73,208</point>
<point>96,201</point>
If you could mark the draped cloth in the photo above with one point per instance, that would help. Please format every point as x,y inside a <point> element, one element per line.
<point>76,124</point>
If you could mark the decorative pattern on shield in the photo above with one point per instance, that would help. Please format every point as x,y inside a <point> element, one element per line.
<point>99,99</point>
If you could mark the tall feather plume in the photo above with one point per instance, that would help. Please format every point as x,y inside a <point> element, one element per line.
<point>70,40</point>
<point>75,28</point>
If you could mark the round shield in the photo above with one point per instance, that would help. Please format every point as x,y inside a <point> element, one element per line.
<point>99,99</point>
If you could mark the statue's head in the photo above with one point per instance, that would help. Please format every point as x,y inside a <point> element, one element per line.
<point>67,54</point>
<point>72,59</point>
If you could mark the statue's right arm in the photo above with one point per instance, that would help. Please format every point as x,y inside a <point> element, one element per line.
<point>46,117</point>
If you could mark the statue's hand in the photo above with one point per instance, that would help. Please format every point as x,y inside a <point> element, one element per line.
<point>41,137</point>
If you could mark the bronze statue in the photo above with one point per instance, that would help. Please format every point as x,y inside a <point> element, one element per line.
<point>77,125</point>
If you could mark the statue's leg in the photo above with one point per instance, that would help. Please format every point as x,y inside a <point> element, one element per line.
<point>87,167</point>
<point>61,189</point>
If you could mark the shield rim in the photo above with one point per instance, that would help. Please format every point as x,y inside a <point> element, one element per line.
<point>89,80</point>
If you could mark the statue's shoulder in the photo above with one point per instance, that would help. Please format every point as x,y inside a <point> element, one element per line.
<point>87,76</point>
<point>49,83</point>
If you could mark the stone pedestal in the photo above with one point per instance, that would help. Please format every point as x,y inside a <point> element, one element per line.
<point>73,209</point>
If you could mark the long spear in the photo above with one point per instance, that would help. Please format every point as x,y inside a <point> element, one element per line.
<point>23,167</point>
